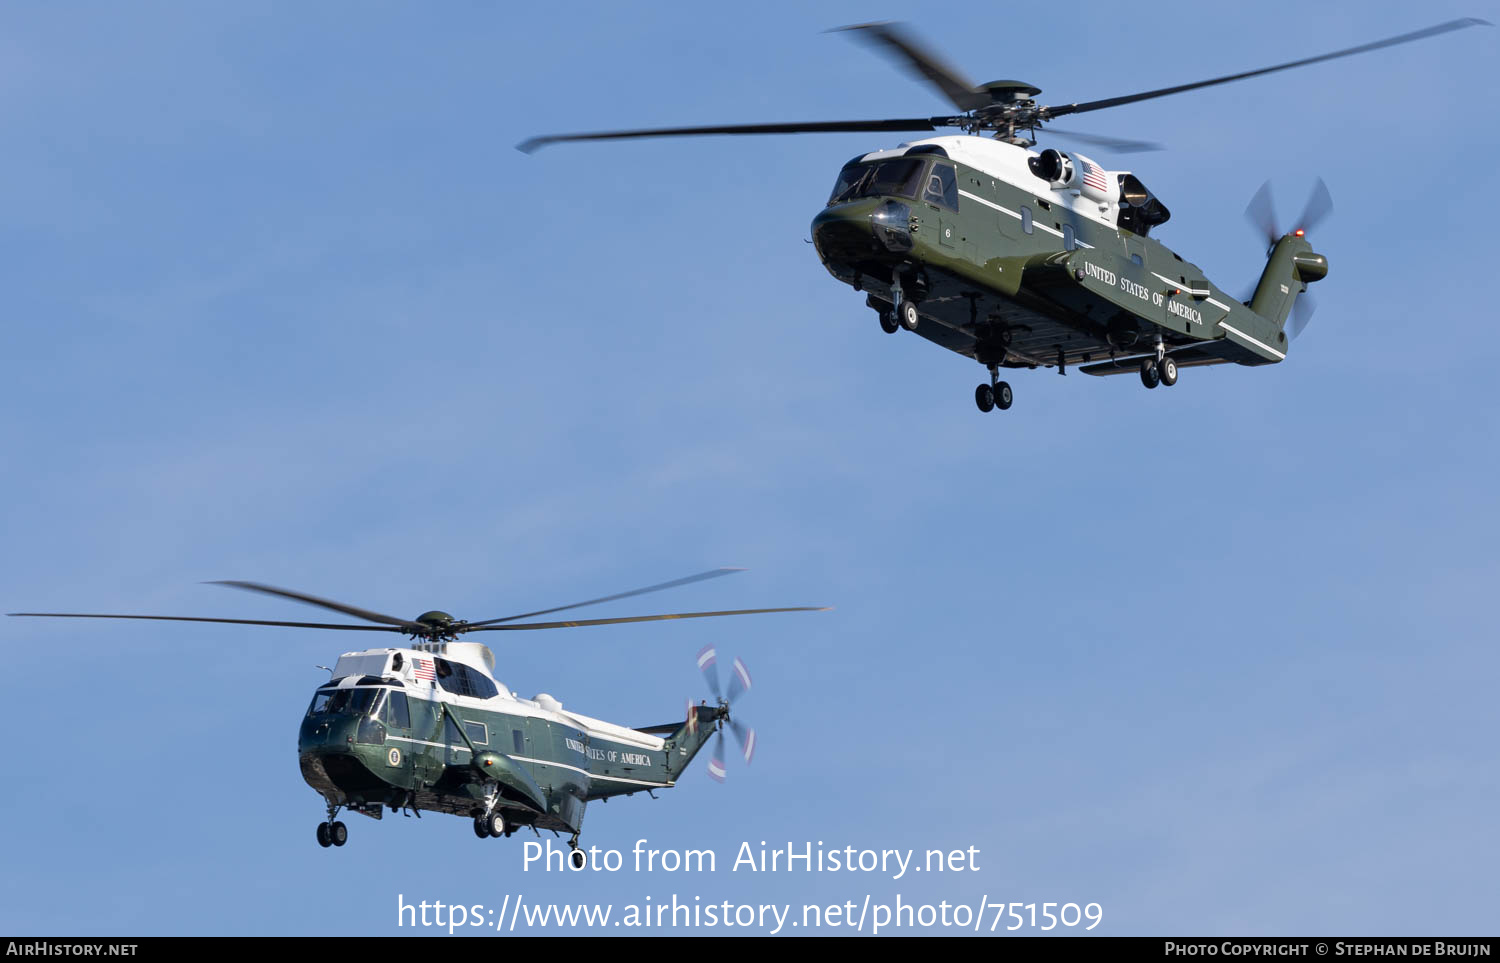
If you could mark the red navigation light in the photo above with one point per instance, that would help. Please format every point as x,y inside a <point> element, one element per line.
<point>1299,232</point>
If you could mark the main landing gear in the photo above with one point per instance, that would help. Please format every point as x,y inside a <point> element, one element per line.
<point>1161,370</point>
<point>491,825</point>
<point>577,856</point>
<point>331,832</point>
<point>996,394</point>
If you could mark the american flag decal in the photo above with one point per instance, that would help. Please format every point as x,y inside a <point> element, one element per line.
<point>1093,176</point>
<point>422,669</point>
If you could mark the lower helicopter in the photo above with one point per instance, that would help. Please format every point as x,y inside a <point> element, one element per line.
<point>427,727</point>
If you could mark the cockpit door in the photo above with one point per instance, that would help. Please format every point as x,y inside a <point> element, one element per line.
<point>399,759</point>
<point>941,197</point>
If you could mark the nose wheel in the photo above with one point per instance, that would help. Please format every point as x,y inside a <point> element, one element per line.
<point>331,832</point>
<point>996,394</point>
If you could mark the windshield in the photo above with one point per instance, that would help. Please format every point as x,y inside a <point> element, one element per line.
<point>899,177</point>
<point>354,702</point>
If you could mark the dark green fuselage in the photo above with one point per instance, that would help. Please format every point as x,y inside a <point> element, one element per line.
<point>390,737</point>
<point>1013,270</point>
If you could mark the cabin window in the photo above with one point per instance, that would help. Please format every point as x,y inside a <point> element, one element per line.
<point>479,733</point>
<point>1026,219</point>
<point>1070,239</point>
<point>942,187</point>
<point>1136,258</point>
<point>518,739</point>
<point>899,177</point>
<point>396,711</point>
<point>461,679</point>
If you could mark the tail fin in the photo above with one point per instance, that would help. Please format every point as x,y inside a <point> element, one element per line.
<point>1292,266</point>
<point>683,744</point>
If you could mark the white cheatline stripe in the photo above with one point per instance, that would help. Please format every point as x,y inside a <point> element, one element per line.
<point>986,203</point>
<point>1184,286</point>
<point>424,742</point>
<point>591,775</point>
<point>539,762</point>
<point>1259,344</point>
<point>1034,222</point>
<point>1221,307</point>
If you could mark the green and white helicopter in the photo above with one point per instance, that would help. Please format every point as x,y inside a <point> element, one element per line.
<point>1025,259</point>
<point>427,726</point>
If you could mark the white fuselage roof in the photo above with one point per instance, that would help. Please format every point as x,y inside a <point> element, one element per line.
<point>377,662</point>
<point>1010,164</point>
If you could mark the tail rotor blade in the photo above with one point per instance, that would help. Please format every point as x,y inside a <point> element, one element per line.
<point>1319,206</point>
<point>1261,212</point>
<point>739,681</point>
<point>1302,312</point>
<point>708,664</point>
<point>745,736</point>
<point>716,769</point>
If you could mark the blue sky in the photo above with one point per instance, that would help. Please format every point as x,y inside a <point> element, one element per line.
<point>283,303</point>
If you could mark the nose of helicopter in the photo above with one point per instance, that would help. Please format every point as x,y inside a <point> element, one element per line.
<point>326,734</point>
<point>862,230</point>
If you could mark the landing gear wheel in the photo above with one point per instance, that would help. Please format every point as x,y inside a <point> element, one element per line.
<point>906,313</point>
<point>578,858</point>
<point>984,397</point>
<point>1003,396</point>
<point>338,833</point>
<point>481,827</point>
<point>1166,369</point>
<point>324,839</point>
<point>495,823</point>
<point>888,322</point>
<point>1149,375</point>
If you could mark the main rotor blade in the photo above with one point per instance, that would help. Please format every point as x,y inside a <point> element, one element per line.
<point>923,62</point>
<point>806,127</point>
<point>1433,31</point>
<point>1119,145</point>
<point>633,618</point>
<point>687,580</point>
<point>358,613</point>
<point>191,618</point>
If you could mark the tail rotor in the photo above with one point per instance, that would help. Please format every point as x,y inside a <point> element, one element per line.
<point>1261,213</point>
<point>739,684</point>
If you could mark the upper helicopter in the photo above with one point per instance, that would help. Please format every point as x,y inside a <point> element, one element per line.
<point>1020,258</point>
<point>427,726</point>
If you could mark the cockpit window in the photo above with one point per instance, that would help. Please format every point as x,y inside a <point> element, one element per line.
<point>898,177</point>
<point>328,700</point>
<point>353,702</point>
<point>396,711</point>
<point>942,187</point>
